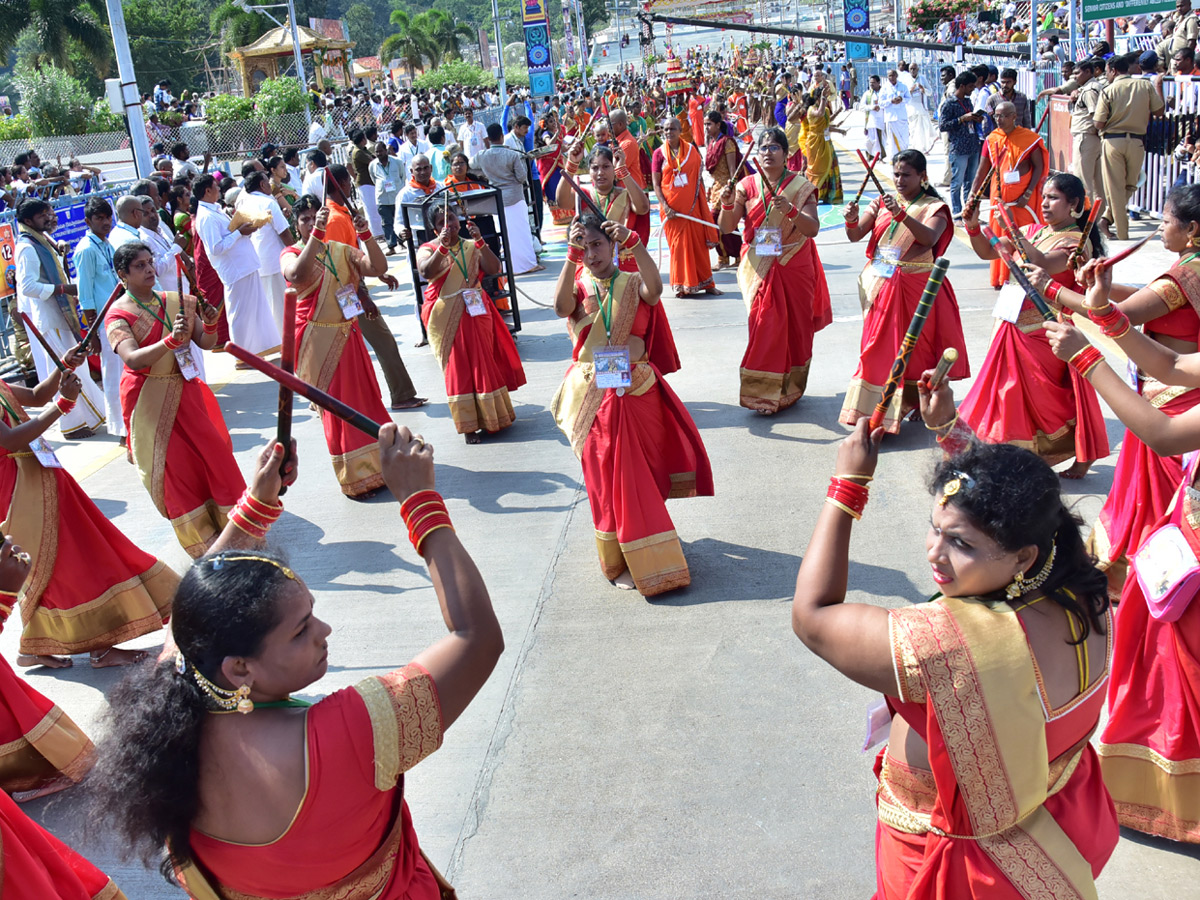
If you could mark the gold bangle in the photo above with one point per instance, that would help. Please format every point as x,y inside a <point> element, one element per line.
<point>844,508</point>
<point>864,479</point>
<point>946,427</point>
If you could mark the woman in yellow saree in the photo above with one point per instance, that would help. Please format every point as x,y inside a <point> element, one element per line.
<point>469,338</point>
<point>988,787</point>
<point>177,435</point>
<point>818,148</point>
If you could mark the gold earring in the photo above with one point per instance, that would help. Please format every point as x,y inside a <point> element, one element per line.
<point>1017,588</point>
<point>1194,241</point>
<point>244,703</point>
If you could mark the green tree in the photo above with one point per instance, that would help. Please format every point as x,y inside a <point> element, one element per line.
<point>236,27</point>
<point>447,34</point>
<point>55,103</point>
<point>361,28</point>
<point>60,27</point>
<point>410,42</point>
<point>163,37</point>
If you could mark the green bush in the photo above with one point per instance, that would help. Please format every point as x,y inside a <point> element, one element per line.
<point>572,73</point>
<point>454,72</point>
<point>55,103</point>
<point>516,77</point>
<point>15,128</point>
<point>280,97</point>
<point>103,119</point>
<point>227,108</point>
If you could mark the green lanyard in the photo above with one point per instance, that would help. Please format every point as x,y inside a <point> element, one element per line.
<point>611,198</point>
<point>163,303</point>
<point>1184,262</point>
<point>460,259</point>
<point>329,264</point>
<point>606,305</point>
<point>12,412</point>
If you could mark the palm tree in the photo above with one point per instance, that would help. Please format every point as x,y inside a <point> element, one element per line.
<point>60,27</point>
<point>445,32</point>
<point>236,26</point>
<point>411,42</point>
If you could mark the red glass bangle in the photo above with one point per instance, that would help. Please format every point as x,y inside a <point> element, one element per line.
<point>64,405</point>
<point>241,522</point>
<point>443,249</point>
<point>791,215</point>
<point>413,501</point>
<point>1086,360</point>
<point>622,173</point>
<point>973,232</point>
<point>1113,322</point>
<point>424,512</point>
<point>480,243</point>
<point>900,216</point>
<point>364,235</point>
<point>210,329</point>
<point>630,242</point>
<point>847,495</point>
<point>319,234</point>
<point>170,343</point>
<point>728,206</point>
<point>1053,289</point>
<point>575,254</point>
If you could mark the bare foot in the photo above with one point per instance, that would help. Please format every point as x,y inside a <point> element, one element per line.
<point>537,268</point>
<point>414,403</point>
<point>713,291</point>
<point>114,657</point>
<point>474,437</point>
<point>624,581</point>
<point>50,662</point>
<point>423,342</point>
<point>1077,471</point>
<point>79,434</point>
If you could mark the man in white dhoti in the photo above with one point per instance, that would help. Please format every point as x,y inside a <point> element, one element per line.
<point>232,255</point>
<point>893,98</point>
<point>920,126</point>
<point>269,241</point>
<point>52,304</point>
<point>506,169</point>
<point>874,127</point>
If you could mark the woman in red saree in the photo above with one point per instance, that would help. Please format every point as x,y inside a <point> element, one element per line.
<point>1150,746</point>
<point>906,235</point>
<point>613,189</point>
<point>330,351</point>
<point>89,587</point>
<point>1024,394</point>
<point>177,435</point>
<point>468,336</point>
<point>551,134</point>
<point>677,167</point>
<point>1144,481</point>
<point>636,441</point>
<point>722,159</point>
<point>280,798</point>
<point>988,786</point>
<point>780,276</point>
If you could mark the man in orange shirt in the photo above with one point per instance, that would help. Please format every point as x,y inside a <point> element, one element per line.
<point>618,122</point>
<point>341,228</point>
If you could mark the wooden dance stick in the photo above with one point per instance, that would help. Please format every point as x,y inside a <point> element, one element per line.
<point>1045,113</point>
<point>949,358</point>
<point>287,362</point>
<point>871,172</point>
<point>745,156</point>
<point>866,178</point>
<point>99,323</point>
<point>680,215</point>
<point>307,391</point>
<point>1109,262</point>
<point>587,201</point>
<point>1076,256</point>
<point>1011,226</point>
<point>32,329</point>
<point>932,286</point>
<point>1020,277</point>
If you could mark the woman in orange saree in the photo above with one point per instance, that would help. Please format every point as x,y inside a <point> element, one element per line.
<point>177,435</point>
<point>1144,481</point>
<point>1024,394</point>
<point>636,441</point>
<point>89,587</point>
<point>677,168</point>
<point>613,190</point>
<point>256,794</point>
<point>905,238</point>
<point>330,351</point>
<point>780,276</point>
<point>1150,746</point>
<point>988,786</point>
<point>468,336</point>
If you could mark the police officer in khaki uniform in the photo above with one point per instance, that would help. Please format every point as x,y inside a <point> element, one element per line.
<point>1187,29</point>
<point>1122,117</point>
<point>1084,90</point>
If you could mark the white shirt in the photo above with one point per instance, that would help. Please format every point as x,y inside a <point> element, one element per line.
<point>893,112</point>
<point>165,250</point>
<point>316,132</point>
<point>471,137</point>
<point>29,273</point>
<point>314,183</point>
<point>295,179</point>
<point>870,99</point>
<point>230,252</point>
<point>184,167</point>
<point>267,241</point>
<point>407,151</point>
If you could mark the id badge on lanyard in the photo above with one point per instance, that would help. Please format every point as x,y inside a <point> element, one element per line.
<point>1009,303</point>
<point>681,180</point>
<point>45,453</point>
<point>612,368</point>
<point>473,298</point>
<point>768,241</point>
<point>187,362</point>
<point>347,298</point>
<point>1012,176</point>
<point>886,262</point>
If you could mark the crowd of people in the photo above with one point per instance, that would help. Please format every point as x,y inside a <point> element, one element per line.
<point>989,784</point>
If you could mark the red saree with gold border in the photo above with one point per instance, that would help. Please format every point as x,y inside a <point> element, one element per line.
<point>332,355</point>
<point>889,304</point>
<point>1024,394</point>
<point>787,296</point>
<point>352,837</point>
<point>1150,746</point>
<point>637,450</point>
<point>89,587</point>
<point>177,435</point>
<point>1144,482</point>
<point>477,354</point>
<point>1013,806</point>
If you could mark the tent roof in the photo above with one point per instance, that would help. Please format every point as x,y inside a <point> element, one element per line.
<point>278,42</point>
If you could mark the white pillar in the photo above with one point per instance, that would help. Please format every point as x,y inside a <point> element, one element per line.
<point>129,92</point>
